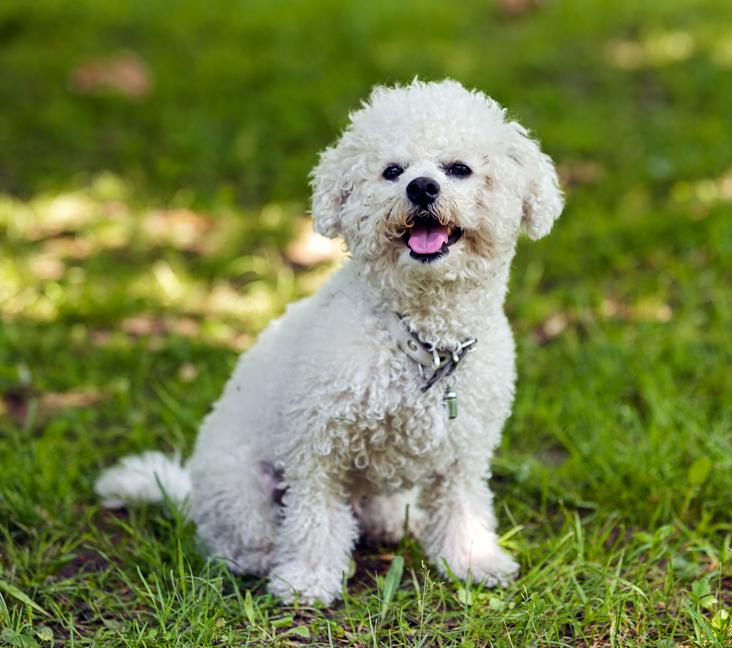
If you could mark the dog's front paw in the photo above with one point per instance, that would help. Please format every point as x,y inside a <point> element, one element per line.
<point>297,580</point>
<point>480,559</point>
<point>493,568</point>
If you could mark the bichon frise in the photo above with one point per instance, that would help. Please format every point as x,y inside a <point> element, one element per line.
<point>381,398</point>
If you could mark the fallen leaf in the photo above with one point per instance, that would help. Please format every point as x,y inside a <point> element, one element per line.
<point>579,173</point>
<point>187,372</point>
<point>55,401</point>
<point>72,247</point>
<point>551,328</point>
<point>516,8</point>
<point>124,73</point>
<point>144,325</point>
<point>141,325</point>
<point>46,266</point>
<point>180,228</point>
<point>309,248</point>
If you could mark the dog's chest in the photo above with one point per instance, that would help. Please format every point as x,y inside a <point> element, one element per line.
<point>394,436</point>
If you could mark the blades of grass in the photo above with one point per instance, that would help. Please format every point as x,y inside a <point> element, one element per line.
<point>391,584</point>
<point>18,595</point>
<point>580,591</point>
<point>249,608</point>
<point>4,612</point>
<point>182,574</point>
<point>300,631</point>
<point>510,533</point>
<point>620,581</point>
<point>580,538</point>
<point>180,413</point>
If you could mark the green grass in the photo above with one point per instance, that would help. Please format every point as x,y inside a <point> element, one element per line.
<point>141,246</point>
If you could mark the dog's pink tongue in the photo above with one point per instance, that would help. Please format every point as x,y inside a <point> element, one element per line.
<point>427,238</point>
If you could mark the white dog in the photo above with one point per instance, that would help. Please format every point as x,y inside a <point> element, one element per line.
<point>342,419</point>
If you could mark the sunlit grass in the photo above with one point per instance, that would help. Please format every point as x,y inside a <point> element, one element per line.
<point>95,253</point>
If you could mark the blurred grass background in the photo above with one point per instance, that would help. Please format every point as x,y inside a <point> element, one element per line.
<point>153,197</point>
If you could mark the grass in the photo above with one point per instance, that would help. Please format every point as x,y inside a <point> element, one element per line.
<point>146,236</point>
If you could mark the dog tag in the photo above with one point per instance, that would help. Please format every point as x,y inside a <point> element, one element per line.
<point>450,398</point>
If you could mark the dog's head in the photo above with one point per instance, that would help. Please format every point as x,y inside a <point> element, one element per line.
<point>432,180</point>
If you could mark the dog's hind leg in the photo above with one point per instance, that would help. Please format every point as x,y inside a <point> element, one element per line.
<point>234,505</point>
<point>314,542</point>
<point>385,518</point>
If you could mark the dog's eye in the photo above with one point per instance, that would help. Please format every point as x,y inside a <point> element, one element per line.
<point>392,172</point>
<point>458,169</point>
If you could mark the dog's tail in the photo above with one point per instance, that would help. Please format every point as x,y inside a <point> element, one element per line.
<point>147,477</point>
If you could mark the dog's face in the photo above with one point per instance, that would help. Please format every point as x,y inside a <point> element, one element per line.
<point>431,181</point>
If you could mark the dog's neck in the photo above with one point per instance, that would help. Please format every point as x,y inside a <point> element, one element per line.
<point>442,313</point>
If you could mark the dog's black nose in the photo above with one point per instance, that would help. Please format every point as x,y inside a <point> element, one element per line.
<point>423,191</point>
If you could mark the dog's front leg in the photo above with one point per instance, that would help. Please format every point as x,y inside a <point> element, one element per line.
<point>460,529</point>
<point>315,540</point>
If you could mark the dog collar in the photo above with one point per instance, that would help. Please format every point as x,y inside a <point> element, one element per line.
<point>442,362</point>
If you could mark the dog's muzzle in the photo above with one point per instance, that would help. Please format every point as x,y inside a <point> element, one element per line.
<point>428,238</point>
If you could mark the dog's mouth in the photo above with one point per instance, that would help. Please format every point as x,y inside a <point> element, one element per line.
<point>429,239</point>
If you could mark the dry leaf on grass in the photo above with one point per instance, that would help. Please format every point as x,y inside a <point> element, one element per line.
<point>516,8</point>
<point>180,228</point>
<point>124,73</point>
<point>551,327</point>
<point>187,372</point>
<point>645,310</point>
<point>309,249</point>
<point>71,247</point>
<point>46,267</point>
<point>579,173</point>
<point>51,402</point>
<point>143,325</point>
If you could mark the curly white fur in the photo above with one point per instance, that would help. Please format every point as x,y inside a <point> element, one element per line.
<point>326,408</point>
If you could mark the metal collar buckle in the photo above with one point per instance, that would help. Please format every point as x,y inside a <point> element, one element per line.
<point>444,364</point>
<point>441,362</point>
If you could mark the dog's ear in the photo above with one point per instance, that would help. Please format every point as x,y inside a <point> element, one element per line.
<point>543,199</point>
<point>330,192</point>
